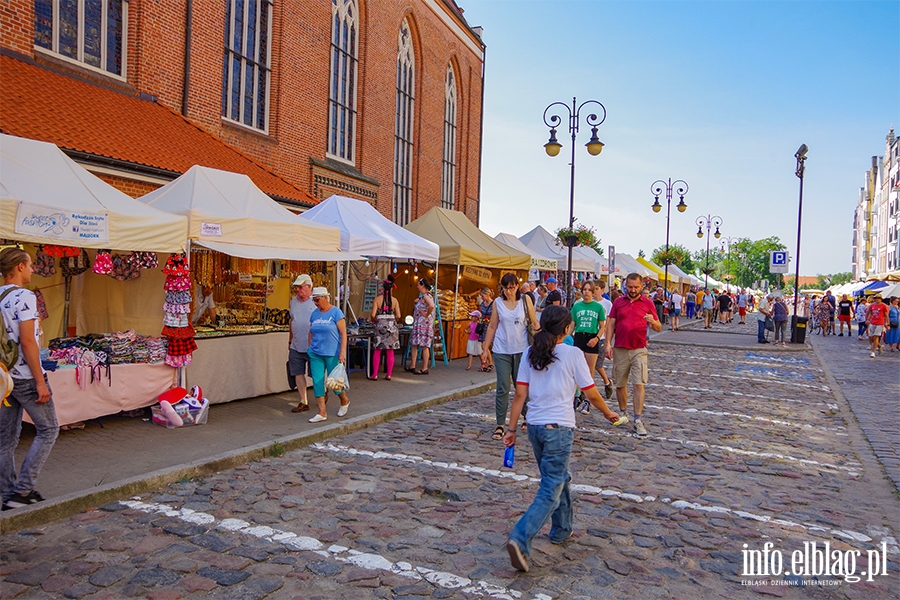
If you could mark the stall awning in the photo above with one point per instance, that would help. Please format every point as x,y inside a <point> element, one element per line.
<point>46,198</point>
<point>658,270</point>
<point>462,243</point>
<point>630,265</point>
<point>538,261</point>
<point>273,252</point>
<point>682,276</point>
<point>366,232</point>
<point>543,242</point>
<point>227,208</point>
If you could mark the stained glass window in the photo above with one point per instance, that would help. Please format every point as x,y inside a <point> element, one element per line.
<point>403,134</point>
<point>246,68</point>
<point>342,87</point>
<point>91,32</point>
<point>448,164</point>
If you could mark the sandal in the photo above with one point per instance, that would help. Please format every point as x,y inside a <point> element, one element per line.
<point>371,378</point>
<point>498,433</point>
<point>425,372</point>
<point>489,369</point>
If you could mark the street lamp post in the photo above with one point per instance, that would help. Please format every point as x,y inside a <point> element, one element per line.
<point>800,155</point>
<point>594,147</point>
<point>680,187</point>
<point>726,246</point>
<point>708,221</point>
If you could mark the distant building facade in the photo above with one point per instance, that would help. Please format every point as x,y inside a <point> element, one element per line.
<point>379,100</point>
<point>876,220</point>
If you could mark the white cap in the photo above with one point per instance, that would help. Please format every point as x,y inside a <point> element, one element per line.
<point>301,279</point>
<point>320,291</point>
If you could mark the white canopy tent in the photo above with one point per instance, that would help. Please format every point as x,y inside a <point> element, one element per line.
<point>630,265</point>
<point>366,232</point>
<point>47,198</point>
<point>545,243</point>
<point>538,260</point>
<point>227,213</point>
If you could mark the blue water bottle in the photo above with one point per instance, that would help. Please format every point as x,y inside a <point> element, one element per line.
<point>509,457</point>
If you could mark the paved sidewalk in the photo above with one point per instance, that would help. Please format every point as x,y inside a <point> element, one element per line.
<point>745,448</point>
<point>118,455</point>
<point>872,388</point>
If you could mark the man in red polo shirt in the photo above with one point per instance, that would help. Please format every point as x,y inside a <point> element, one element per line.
<point>626,328</point>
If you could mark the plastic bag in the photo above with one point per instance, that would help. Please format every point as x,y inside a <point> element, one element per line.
<point>509,456</point>
<point>337,380</point>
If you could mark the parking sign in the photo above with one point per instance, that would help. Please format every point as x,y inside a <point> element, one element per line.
<point>778,261</point>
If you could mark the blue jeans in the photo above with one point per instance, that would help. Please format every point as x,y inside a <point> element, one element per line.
<point>552,448</point>
<point>319,368</point>
<point>507,367</point>
<point>23,397</point>
<point>760,331</point>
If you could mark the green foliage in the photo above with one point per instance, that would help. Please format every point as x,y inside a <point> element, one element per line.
<point>584,236</point>
<point>749,261</point>
<point>277,449</point>
<point>678,255</point>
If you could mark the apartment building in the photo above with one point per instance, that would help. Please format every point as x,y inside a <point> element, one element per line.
<point>876,220</point>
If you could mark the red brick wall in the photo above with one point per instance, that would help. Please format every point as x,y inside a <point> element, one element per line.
<point>17,25</point>
<point>132,187</point>
<point>298,104</point>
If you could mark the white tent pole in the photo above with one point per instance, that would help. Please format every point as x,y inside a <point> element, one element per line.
<point>455,300</point>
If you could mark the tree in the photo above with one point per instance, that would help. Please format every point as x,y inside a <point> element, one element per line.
<point>750,261</point>
<point>678,255</point>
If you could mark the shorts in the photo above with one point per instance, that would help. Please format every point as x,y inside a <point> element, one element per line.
<point>581,342</point>
<point>297,362</point>
<point>708,313</point>
<point>630,366</point>
<point>473,348</point>
<point>601,349</point>
<point>742,311</point>
<point>875,330</point>
<point>675,312</point>
<point>844,318</point>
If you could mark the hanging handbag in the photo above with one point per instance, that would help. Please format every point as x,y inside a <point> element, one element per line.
<point>769,324</point>
<point>44,265</point>
<point>70,266</point>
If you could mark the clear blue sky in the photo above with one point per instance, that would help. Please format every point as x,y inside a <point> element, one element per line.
<point>718,93</point>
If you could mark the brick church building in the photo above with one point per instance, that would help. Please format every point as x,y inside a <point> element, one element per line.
<point>379,100</point>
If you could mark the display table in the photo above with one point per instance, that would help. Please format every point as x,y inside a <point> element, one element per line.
<point>132,386</point>
<point>240,366</point>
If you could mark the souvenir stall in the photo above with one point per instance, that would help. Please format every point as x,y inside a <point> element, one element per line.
<point>94,250</point>
<point>384,245</point>
<point>246,250</point>
<point>545,243</point>
<point>470,260</point>
<point>539,264</point>
<point>684,280</point>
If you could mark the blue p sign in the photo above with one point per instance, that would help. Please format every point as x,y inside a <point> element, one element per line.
<point>779,258</point>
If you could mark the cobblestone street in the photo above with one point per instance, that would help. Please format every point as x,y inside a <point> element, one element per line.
<point>746,447</point>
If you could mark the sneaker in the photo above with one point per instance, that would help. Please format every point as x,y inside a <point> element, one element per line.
<point>623,420</point>
<point>841,334</point>
<point>585,407</point>
<point>516,557</point>
<point>22,500</point>
<point>872,355</point>
<point>343,409</point>
<point>318,419</point>
<point>639,429</point>
<point>608,390</point>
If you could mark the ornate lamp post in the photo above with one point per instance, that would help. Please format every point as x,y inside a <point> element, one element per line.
<point>594,147</point>
<point>680,187</point>
<point>708,221</point>
<point>726,247</point>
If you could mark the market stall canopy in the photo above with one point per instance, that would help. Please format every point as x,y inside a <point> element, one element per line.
<point>871,287</point>
<point>660,274</point>
<point>367,232</point>
<point>590,254</point>
<point>47,198</point>
<point>890,276</point>
<point>891,291</point>
<point>684,277</point>
<point>545,243</point>
<point>227,213</point>
<point>538,261</point>
<point>630,265</point>
<point>462,243</point>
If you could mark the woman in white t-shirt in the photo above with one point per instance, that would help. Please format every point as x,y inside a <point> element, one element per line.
<point>547,373</point>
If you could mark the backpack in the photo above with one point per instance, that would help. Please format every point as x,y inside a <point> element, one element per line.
<point>9,350</point>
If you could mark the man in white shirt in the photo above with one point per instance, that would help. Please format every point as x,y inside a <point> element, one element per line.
<point>765,310</point>
<point>205,305</point>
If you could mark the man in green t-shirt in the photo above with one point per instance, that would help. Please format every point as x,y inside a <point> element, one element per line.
<point>589,320</point>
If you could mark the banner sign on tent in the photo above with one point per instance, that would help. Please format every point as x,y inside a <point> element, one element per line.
<point>477,274</point>
<point>543,264</point>
<point>63,225</point>
<point>211,229</point>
